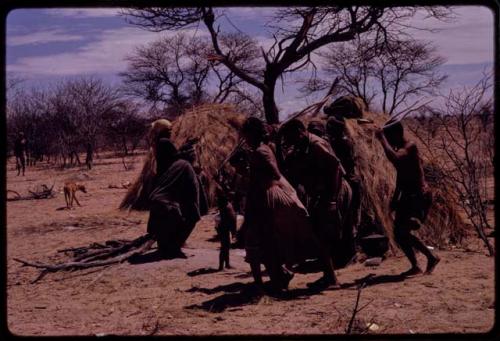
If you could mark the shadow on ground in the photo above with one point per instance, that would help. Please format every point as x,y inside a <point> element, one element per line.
<point>239,294</point>
<point>154,256</point>
<point>372,279</point>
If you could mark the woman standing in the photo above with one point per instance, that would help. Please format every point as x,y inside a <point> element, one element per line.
<point>278,230</point>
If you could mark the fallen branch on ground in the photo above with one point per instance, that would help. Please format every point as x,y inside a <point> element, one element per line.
<point>16,193</point>
<point>356,310</point>
<point>44,193</point>
<point>114,251</point>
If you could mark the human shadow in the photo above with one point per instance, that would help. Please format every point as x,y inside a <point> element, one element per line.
<point>232,287</point>
<point>372,279</point>
<point>154,256</point>
<point>239,294</point>
<point>202,271</point>
<point>236,295</point>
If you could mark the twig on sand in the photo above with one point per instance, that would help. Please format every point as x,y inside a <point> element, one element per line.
<point>155,328</point>
<point>44,193</point>
<point>356,310</point>
<point>109,255</point>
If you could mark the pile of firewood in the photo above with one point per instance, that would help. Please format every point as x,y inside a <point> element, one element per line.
<point>96,254</point>
<point>42,192</point>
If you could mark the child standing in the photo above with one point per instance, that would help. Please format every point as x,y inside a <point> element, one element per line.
<point>226,226</point>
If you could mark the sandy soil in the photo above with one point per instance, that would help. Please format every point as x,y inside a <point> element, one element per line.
<point>181,296</point>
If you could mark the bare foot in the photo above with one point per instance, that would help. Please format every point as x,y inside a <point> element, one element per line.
<point>412,272</point>
<point>431,264</point>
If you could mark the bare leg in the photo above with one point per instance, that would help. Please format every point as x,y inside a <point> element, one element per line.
<point>18,166</point>
<point>228,266</point>
<point>23,162</point>
<point>329,278</point>
<point>432,259</point>
<point>321,241</point>
<point>221,259</point>
<point>76,200</point>
<point>256,273</point>
<point>403,238</point>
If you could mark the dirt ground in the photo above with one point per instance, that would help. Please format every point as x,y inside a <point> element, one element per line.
<point>184,297</point>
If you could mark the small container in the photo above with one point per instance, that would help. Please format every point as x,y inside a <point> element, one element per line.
<point>375,245</point>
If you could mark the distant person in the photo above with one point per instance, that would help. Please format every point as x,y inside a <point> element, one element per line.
<point>20,152</point>
<point>411,199</point>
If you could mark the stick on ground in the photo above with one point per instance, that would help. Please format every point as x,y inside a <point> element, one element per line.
<point>102,257</point>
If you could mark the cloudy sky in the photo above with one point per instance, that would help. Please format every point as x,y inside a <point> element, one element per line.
<point>44,45</point>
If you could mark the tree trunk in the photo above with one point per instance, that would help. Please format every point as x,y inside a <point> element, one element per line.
<point>270,109</point>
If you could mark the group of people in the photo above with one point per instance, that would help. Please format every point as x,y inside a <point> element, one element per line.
<point>301,197</point>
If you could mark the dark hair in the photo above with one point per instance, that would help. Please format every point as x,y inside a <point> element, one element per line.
<point>394,129</point>
<point>316,127</point>
<point>254,126</point>
<point>293,125</point>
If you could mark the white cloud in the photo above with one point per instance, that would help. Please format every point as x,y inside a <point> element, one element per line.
<point>467,40</point>
<point>105,55</point>
<point>42,37</point>
<point>249,13</point>
<point>84,12</point>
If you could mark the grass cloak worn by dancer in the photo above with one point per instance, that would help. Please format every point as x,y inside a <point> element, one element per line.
<point>169,188</point>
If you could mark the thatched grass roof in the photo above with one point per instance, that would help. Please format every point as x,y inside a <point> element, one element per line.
<point>378,177</point>
<point>216,126</point>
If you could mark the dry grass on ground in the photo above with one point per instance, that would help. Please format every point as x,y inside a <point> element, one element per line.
<point>171,297</point>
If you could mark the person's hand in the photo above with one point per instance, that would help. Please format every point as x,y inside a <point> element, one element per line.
<point>379,133</point>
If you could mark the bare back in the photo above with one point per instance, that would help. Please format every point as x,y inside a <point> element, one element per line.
<point>410,174</point>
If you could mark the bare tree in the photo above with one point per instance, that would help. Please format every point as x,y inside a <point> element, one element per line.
<point>26,112</point>
<point>124,127</point>
<point>407,69</point>
<point>399,72</point>
<point>92,100</point>
<point>462,150</point>
<point>64,119</point>
<point>171,71</point>
<point>354,65</point>
<point>298,32</point>
<point>245,54</point>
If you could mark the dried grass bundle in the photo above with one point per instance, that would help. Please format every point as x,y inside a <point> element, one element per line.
<point>378,177</point>
<point>347,106</point>
<point>216,126</point>
<point>137,197</point>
